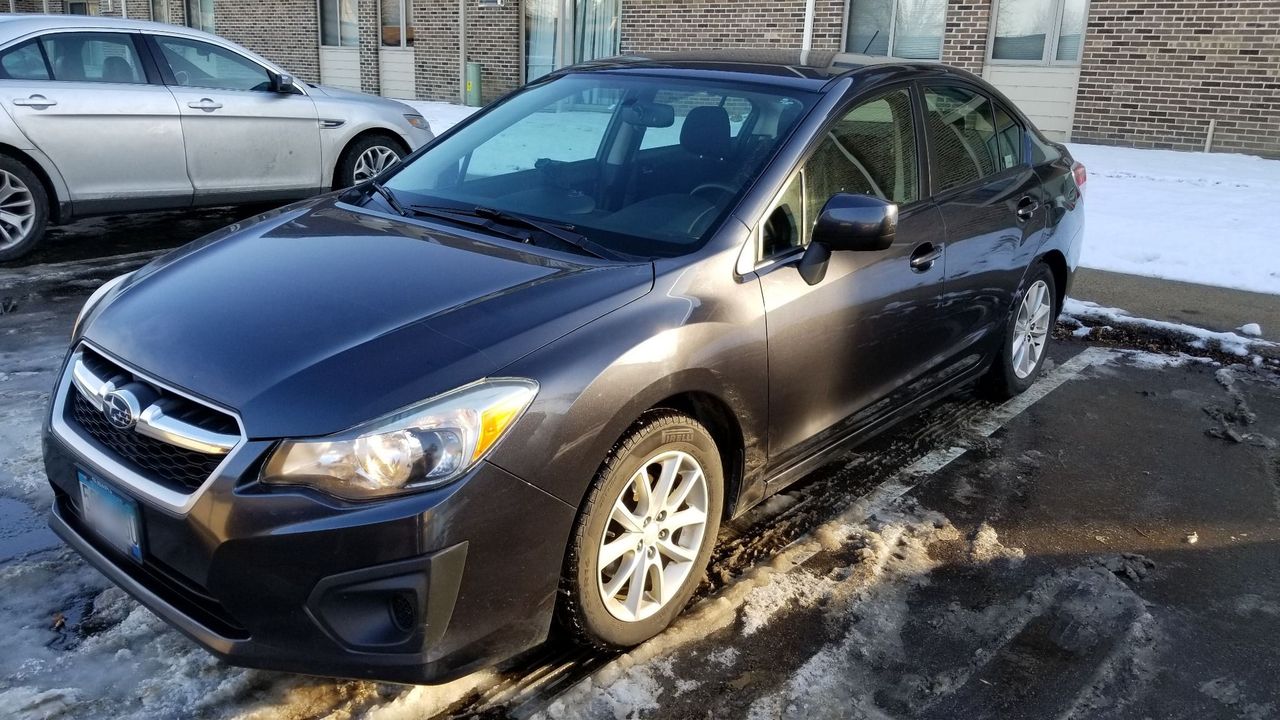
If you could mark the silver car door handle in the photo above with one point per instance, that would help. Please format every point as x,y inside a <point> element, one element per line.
<point>38,102</point>
<point>204,104</point>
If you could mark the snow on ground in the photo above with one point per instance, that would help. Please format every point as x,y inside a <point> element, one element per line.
<point>1206,218</point>
<point>1074,311</point>
<point>441,115</point>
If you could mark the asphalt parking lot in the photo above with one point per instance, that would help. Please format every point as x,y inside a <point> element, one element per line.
<point>1107,546</point>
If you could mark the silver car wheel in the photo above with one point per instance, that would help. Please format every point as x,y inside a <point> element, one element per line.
<point>17,210</point>
<point>373,161</point>
<point>655,531</point>
<point>1031,329</point>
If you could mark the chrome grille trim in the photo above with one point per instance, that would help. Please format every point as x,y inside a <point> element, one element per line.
<point>152,421</point>
<point>96,460</point>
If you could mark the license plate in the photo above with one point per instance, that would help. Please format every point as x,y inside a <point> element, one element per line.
<point>111,515</point>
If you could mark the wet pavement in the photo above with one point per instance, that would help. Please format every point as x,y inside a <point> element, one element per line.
<point>979,561</point>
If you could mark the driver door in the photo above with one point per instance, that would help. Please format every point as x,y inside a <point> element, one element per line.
<point>243,140</point>
<point>849,349</point>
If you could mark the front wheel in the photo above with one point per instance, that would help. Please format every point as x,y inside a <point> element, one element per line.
<point>366,158</point>
<point>1026,338</point>
<point>643,538</point>
<point>24,209</point>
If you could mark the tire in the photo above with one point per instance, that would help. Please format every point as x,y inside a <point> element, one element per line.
<point>1011,373</point>
<point>351,171</point>
<point>660,438</point>
<point>22,196</point>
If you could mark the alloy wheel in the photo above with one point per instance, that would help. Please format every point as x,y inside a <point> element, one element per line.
<point>17,210</point>
<point>1031,329</point>
<point>373,161</point>
<point>655,530</point>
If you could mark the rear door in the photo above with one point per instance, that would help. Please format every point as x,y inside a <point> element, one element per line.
<point>992,206</point>
<point>91,103</point>
<point>243,140</point>
<point>843,352</point>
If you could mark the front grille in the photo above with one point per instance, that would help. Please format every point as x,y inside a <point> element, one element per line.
<point>174,467</point>
<point>177,468</point>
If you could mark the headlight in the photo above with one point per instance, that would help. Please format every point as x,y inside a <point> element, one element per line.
<point>419,122</point>
<point>423,446</point>
<point>94,299</point>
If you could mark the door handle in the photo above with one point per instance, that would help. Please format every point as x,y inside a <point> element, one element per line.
<point>39,102</point>
<point>204,104</point>
<point>923,257</point>
<point>1027,208</point>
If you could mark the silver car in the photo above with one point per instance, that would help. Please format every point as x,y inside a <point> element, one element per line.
<point>102,115</point>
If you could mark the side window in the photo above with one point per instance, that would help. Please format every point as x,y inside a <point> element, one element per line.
<point>24,62</point>
<point>202,65</point>
<point>869,151</point>
<point>961,136</point>
<point>93,57</point>
<point>782,229</point>
<point>1008,139</point>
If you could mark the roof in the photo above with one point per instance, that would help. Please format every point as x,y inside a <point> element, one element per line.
<point>15,26</point>
<point>793,68</point>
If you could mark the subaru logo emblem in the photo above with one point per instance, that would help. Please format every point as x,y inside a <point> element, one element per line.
<point>121,408</point>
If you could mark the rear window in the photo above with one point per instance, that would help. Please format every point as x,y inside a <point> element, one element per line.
<point>962,138</point>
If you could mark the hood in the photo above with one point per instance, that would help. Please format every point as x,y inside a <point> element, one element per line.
<point>313,319</point>
<point>353,96</point>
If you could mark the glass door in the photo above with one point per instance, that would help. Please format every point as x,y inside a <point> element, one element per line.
<point>564,32</point>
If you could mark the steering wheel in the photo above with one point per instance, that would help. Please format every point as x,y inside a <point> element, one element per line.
<point>722,190</point>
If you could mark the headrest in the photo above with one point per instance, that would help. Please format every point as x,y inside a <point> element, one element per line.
<point>705,132</point>
<point>116,69</point>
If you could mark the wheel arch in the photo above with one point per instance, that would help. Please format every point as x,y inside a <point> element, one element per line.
<point>722,423</point>
<point>58,207</point>
<point>1057,263</point>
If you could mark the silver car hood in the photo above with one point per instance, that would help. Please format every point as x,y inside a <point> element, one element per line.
<point>342,95</point>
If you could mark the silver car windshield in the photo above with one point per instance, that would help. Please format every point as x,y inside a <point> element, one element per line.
<point>648,166</point>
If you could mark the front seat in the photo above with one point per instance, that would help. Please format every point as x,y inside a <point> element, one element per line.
<point>705,137</point>
<point>117,70</point>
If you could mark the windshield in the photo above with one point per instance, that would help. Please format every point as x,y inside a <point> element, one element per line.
<point>647,166</point>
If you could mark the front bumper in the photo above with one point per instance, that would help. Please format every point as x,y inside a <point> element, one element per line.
<point>420,588</point>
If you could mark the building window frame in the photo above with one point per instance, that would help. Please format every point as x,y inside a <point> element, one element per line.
<point>195,12</point>
<point>163,7</point>
<point>355,22</point>
<point>1049,57</point>
<point>406,27</point>
<point>893,28</point>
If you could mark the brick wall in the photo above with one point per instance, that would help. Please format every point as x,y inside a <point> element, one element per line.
<point>964,42</point>
<point>674,25</point>
<point>283,31</point>
<point>493,40</point>
<point>369,24</point>
<point>1155,74</point>
<point>435,49</point>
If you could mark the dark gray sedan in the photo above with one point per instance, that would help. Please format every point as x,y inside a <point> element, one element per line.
<point>524,376</point>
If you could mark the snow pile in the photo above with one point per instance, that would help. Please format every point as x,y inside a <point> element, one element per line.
<point>1194,217</point>
<point>1076,312</point>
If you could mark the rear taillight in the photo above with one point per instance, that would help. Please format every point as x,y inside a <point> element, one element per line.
<point>1081,176</point>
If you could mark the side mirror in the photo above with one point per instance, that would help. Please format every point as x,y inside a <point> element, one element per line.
<point>848,222</point>
<point>856,222</point>
<point>283,83</point>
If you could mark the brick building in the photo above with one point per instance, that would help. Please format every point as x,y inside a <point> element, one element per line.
<point>1178,74</point>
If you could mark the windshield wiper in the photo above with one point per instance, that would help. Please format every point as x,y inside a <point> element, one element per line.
<point>561,232</point>
<point>495,220</point>
<point>389,197</point>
